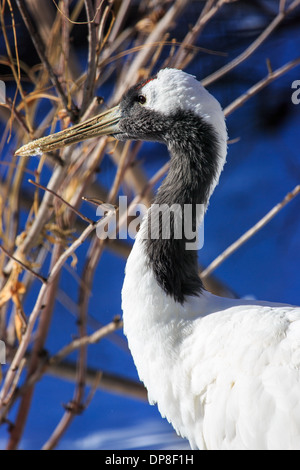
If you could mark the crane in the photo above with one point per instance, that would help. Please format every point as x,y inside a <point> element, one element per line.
<point>225,372</point>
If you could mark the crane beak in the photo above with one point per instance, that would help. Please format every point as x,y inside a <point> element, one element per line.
<point>102,124</point>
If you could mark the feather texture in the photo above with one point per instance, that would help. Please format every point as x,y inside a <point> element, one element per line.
<point>224,372</point>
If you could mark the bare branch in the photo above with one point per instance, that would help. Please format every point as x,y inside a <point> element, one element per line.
<point>109,382</point>
<point>140,60</point>
<point>86,340</point>
<point>252,231</point>
<point>34,363</point>
<point>260,85</point>
<point>39,305</point>
<point>252,48</point>
<point>91,73</point>
<point>83,217</point>
<point>24,266</point>
<point>39,46</point>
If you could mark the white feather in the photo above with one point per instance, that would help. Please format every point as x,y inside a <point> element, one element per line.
<point>224,372</point>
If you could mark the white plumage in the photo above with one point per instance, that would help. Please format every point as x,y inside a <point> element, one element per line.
<point>224,372</point>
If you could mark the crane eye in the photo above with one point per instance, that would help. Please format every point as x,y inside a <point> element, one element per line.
<point>141,99</point>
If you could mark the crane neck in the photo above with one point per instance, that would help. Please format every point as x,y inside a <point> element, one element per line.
<point>179,206</point>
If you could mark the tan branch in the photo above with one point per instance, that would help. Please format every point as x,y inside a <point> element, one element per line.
<point>252,231</point>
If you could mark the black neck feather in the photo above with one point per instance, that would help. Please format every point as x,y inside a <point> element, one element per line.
<point>193,146</point>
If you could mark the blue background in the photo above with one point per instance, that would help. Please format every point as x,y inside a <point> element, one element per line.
<point>262,167</point>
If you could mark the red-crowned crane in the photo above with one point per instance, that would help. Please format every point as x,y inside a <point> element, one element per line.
<point>224,372</point>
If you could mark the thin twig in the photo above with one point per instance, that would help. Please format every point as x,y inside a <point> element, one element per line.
<point>39,304</point>
<point>86,340</point>
<point>252,48</point>
<point>83,217</point>
<point>207,13</point>
<point>111,383</point>
<point>39,46</point>
<point>91,73</point>
<point>16,73</point>
<point>24,266</point>
<point>260,85</point>
<point>58,432</point>
<point>252,231</point>
<point>14,384</point>
<point>158,32</point>
<point>35,358</point>
<point>44,212</point>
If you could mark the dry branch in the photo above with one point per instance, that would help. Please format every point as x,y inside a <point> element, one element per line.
<point>250,233</point>
<point>40,48</point>
<point>254,46</point>
<point>40,305</point>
